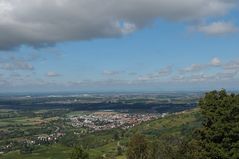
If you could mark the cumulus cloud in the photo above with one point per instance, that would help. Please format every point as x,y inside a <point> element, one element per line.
<point>52,74</point>
<point>42,23</point>
<point>194,68</point>
<point>199,77</point>
<point>165,71</point>
<point>215,61</point>
<point>226,75</point>
<point>162,73</point>
<point>111,73</point>
<point>199,72</point>
<point>217,28</point>
<point>205,77</point>
<point>232,65</point>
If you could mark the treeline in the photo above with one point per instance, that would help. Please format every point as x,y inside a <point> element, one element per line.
<point>150,107</point>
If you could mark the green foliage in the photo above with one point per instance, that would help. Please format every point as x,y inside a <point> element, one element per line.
<point>79,153</point>
<point>138,147</point>
<point>107,144</point>
<point>70,139</point>
<point>26,148</point>
<point>219,136</point>
<point>116,136</point>
<point>119,150</point>
<point>170,147</point>
<point>165,147</point>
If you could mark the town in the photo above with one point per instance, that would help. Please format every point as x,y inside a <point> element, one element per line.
<point>33,123</point>
<point>97,121</point>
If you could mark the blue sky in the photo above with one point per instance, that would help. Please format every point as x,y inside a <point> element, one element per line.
<point>158,51</point>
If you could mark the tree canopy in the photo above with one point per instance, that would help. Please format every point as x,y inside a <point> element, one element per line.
<point>79,153</point>
<point>219,135</point>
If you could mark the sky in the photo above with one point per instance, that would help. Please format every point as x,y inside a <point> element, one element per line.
<point>112,45</point>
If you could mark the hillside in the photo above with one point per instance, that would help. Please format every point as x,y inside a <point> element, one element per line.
<point>106,143</point>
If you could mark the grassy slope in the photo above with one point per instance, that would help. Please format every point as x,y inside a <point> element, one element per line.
<point>181,124</point>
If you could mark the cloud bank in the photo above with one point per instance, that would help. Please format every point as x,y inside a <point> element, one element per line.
<point>214,74</point>
<point>42,23</point>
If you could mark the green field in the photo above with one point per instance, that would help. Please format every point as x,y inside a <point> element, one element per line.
<point>104,144</point>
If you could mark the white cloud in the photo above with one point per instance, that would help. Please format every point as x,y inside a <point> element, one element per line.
<point>232,65</point>
<point>166,71</point>
<point>162,73</point>
<point>226,75</point>
<point>193,68</point>
<point>41,23</point>
<point>111,73</point>
<point>52,74</point>
<point>126,27</point>
<point>199,77</point>
<point>206,77</point>
<point>217,28</point>
<point>15,63</point>
<point>215,61</point>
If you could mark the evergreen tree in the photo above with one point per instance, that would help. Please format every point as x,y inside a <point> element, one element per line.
<point>170,147</point>
<point>26,148</point>
<point>119,150</point>
<point>219,135</point>
<point>79,153</point>
<point>138,147</point>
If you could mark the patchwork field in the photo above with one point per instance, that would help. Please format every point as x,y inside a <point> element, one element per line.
<point>105,143</point>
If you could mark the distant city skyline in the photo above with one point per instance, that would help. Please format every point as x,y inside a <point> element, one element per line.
<point>128,45</point>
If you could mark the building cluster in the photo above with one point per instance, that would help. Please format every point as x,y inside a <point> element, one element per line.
<point>6,148</point>
<point>108,120</point>
<point>35,140</point>
<point>50,138</point>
